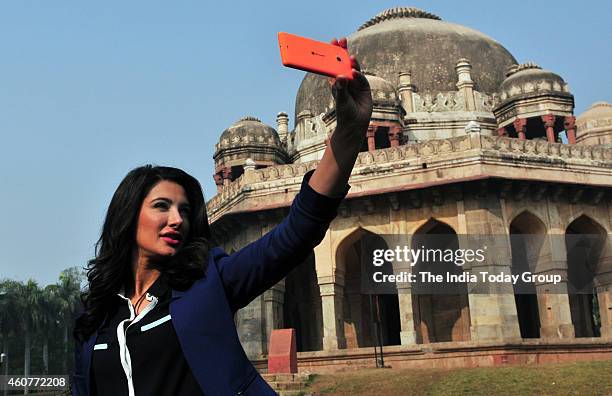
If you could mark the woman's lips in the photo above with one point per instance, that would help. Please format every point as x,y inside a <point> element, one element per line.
<point>171,241</point>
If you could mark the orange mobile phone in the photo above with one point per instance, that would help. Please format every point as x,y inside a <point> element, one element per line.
<point>314,56</point>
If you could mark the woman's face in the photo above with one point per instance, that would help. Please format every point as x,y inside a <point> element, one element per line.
<point>163,222</point>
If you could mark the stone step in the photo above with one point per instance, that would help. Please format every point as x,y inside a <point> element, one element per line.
<point>302,377</point>
<point>276,385</point>
<point>294,393</point>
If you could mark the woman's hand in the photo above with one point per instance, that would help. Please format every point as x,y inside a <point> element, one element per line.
<point>353,111</point>
<point>353,97</point>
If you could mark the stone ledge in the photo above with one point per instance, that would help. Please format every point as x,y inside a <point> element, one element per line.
<point>279,184</point>
<point>456,354</point>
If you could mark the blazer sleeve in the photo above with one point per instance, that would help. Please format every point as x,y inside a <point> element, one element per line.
<point>78,385</point>
<point>263,263</point>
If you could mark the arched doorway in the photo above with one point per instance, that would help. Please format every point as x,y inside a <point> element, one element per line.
<point>302,306</point>
<point>366,315</point>
<point>439,316</point>
<point>584,241</point>
<point>527,236</point>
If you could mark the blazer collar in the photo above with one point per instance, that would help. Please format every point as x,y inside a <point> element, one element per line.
<point>177,294</point>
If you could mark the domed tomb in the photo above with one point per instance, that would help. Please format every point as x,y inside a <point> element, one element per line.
<point>248,138</point>
<point>409,39</point>
<point>594,126</point>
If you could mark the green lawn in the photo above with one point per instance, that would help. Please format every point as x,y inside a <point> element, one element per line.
<point>585,378</point>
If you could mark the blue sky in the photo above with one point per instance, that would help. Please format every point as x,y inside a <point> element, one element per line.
<point>89,91</point>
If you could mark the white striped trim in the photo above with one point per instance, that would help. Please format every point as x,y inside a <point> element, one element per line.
<point>156,323</point>
<point>124,352</point>
<point>100,346</point>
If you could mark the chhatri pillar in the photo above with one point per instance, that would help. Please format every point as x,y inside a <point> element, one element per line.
<point>570,129</point>
<point>371,135</point>
<point>520,125</point>
<point>227,175</point>
<point>549,124</point>
<point>218,182</point>
<point>394,135</point>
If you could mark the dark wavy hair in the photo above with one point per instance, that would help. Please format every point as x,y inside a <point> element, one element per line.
<point>111,269</point>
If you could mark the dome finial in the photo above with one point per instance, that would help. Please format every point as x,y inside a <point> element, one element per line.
<point>249,118</point>
<point>399,12</point>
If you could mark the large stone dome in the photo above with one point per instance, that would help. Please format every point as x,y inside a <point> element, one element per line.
<point>594,126</point>
<point>408,39</point>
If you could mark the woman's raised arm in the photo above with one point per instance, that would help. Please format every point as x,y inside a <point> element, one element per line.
<point>353,111</point>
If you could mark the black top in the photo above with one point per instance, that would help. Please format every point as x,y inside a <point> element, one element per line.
<point>148,357</point>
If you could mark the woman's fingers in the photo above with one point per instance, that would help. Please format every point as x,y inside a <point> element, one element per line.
<point>355,64</point>
<point>342,42</point>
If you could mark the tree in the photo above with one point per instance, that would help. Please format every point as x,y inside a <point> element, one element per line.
<point>49,305</point>
<point>69,292</point>
<point>24,302</point>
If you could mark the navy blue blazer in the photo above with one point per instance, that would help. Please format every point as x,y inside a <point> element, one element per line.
<point>203,316</point>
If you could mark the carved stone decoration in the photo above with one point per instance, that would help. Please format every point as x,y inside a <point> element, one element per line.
<point>273,173</point>
<point>596,153</point>
<point>530,146</point>
<point>394,201</point>
<point>517,144</point>
<point>427,149</point>
<point>521,191</point>
<point>437,197</point>
<point>381,156</point>
<point>564,150</point>
<point>488,142</point>
<point>428,103</point>
<point>596,196</point>
<point>462,143</point>
<point>415,199</point>
<point>505,189</point>
<point>472,127</point>
<point>344,209</point>
<point>458,102</point>
<point>456,191</point>
<point>398,12</point>
<point>445,146</point>
<point>441,103</point>
<point>395,154</point>
<point>539,191</point>
<point>484,102</point>
<point>287,171</point>
<point>542,147</point>
<point>411,151</point>
<point>576,194</point>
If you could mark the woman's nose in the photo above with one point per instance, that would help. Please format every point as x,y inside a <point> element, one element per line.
<point>175,219</point>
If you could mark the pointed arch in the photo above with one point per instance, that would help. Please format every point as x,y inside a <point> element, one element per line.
<point>358,308</point>
<point>302,306</point>
<point>438,316</point>
<point>427,225</point>
<point>527,222</point>
<point>528,249</point>
<point>587,249</point>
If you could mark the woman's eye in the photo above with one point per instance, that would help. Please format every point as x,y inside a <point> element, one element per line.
<point>161,205</point>
<point>185,211</point>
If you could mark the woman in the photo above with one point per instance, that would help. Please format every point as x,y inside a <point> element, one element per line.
<point>158,316</point>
